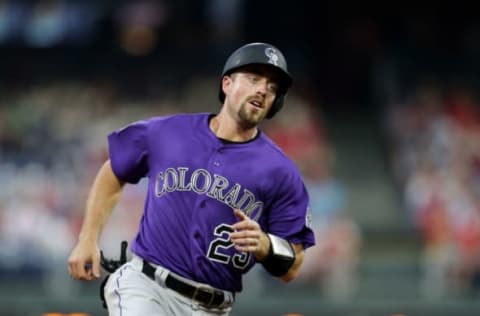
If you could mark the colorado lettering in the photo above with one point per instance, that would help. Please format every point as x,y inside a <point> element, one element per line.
<point>215,186</point>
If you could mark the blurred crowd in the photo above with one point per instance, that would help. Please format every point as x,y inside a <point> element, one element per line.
<point>51,145</point>
<point>434,151</point>
<point>53,140</point>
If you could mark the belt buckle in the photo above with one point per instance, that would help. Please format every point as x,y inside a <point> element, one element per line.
<point>200,295</point>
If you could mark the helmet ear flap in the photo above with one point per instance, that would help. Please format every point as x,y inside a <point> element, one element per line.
<point>276,106</point>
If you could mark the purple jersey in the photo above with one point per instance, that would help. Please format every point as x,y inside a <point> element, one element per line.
<point>195,181</point>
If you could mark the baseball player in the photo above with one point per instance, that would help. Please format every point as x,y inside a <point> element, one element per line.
<point>221,197</point>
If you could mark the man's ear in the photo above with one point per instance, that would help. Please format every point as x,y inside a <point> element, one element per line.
<point>226,84</point>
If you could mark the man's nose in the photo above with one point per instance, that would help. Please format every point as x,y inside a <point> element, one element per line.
<point>262,87</point>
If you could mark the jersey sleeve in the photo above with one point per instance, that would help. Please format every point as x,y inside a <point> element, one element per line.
<point>128,150</point>
<point>289,216</point>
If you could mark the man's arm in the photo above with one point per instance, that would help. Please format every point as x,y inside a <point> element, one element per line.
<point>84,261</point>
<point>295,269</point>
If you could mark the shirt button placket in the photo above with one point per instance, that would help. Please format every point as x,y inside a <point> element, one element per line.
<point>216,162</point>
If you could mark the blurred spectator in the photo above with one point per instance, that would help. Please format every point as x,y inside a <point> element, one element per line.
<point>332,264</point>
<point>434,151</point>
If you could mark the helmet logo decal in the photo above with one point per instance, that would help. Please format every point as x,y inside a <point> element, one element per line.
<point>272,56</point>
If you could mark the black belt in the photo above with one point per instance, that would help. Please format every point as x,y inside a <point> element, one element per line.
<point>206,296</point>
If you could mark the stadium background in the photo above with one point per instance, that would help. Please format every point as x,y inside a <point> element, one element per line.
<point>383,121</point>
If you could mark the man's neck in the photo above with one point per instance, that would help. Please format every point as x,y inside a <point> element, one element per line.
<point>226,128</point>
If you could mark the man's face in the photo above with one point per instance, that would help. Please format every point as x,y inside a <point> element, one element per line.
<point>250,93</point>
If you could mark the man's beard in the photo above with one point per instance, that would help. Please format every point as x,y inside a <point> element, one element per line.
<point>248,118</point>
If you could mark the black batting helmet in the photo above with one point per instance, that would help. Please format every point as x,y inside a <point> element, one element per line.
<point>263,54</point>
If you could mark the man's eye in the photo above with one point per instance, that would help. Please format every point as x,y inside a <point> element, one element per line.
<point>272,88</point>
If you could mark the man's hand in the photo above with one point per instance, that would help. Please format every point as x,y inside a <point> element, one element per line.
<point>249,237</point>
<point>84,262</point>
